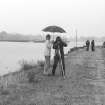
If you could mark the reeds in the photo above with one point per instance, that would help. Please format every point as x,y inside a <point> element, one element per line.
<point>31,68</point>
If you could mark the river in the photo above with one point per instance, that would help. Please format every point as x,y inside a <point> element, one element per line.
<point>13,53</point>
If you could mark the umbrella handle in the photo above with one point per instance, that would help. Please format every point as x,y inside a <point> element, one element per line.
<point>53,35</point>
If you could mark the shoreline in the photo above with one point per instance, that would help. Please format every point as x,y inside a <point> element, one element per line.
<point>15,76</point>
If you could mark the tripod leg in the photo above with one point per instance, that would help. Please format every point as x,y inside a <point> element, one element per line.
<point>55,64</point>
<point>61,64</point>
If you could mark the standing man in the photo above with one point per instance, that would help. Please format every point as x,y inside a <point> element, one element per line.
<point>47,54</point>
<point>58,45</point>
<point>87,45</point>
<point>92,45</point>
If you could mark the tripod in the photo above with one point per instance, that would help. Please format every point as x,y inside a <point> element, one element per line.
<point>61,64</point>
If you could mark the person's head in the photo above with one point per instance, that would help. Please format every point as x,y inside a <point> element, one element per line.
<point>92,40</point>
<point>87,40</point>
<point>58,38</point>
<point>48,37</point>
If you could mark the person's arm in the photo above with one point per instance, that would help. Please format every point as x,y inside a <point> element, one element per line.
<point>55,45</point>
<point>49,45</point>
<point>64,44</point>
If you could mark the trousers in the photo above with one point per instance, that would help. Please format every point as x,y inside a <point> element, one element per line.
<point>58,59</point>
<point>87,48</point>
<point>93,48</point>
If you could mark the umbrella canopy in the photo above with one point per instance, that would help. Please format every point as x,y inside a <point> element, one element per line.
<point>54,29</point>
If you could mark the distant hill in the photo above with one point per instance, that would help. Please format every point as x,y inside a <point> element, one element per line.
<point>4,36</point>
<point>16,37</point>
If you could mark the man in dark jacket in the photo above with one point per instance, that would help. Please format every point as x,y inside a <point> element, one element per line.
<point>59,54</point>
<point>92,45</point>
<point>87,45</point>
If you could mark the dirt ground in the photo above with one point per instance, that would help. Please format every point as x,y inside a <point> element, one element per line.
<point>84,84</point>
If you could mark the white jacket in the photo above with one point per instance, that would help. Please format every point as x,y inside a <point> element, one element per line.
<point>48,46</point>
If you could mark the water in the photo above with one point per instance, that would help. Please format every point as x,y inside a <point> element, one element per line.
<point>12,53</point>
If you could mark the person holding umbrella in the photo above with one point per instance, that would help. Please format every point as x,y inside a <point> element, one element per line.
<point>58,45</point>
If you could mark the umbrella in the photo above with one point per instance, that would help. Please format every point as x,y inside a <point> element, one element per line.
<point>54,29</point>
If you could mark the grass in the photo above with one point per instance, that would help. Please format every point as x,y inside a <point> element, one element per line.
<point>31,68</point>
<point>40,63</point>
<point>5,92</point>
<point>25,65</point>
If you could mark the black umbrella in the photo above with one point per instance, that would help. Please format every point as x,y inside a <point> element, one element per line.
<point>54,29</point>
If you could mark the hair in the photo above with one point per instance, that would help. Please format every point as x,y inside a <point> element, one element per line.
<point>58,38</point>
<point>48,36</point>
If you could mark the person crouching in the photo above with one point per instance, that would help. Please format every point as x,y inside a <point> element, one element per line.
<point>58,45</point>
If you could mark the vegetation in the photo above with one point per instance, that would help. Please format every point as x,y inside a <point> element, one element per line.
<point>31,68</point>
<point>16,37</point>
<point>41,64</point>
<point>25,65</point>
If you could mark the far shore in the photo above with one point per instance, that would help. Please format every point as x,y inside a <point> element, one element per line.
<point>21,41</point>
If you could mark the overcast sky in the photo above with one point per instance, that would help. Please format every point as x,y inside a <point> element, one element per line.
<point>31,16</point>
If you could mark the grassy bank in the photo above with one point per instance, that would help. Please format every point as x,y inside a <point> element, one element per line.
<point>27,72</point>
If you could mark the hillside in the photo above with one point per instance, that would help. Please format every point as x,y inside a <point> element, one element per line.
<point>4,36</point>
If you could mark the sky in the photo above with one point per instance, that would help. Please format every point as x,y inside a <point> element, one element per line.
<point>31,16</point>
